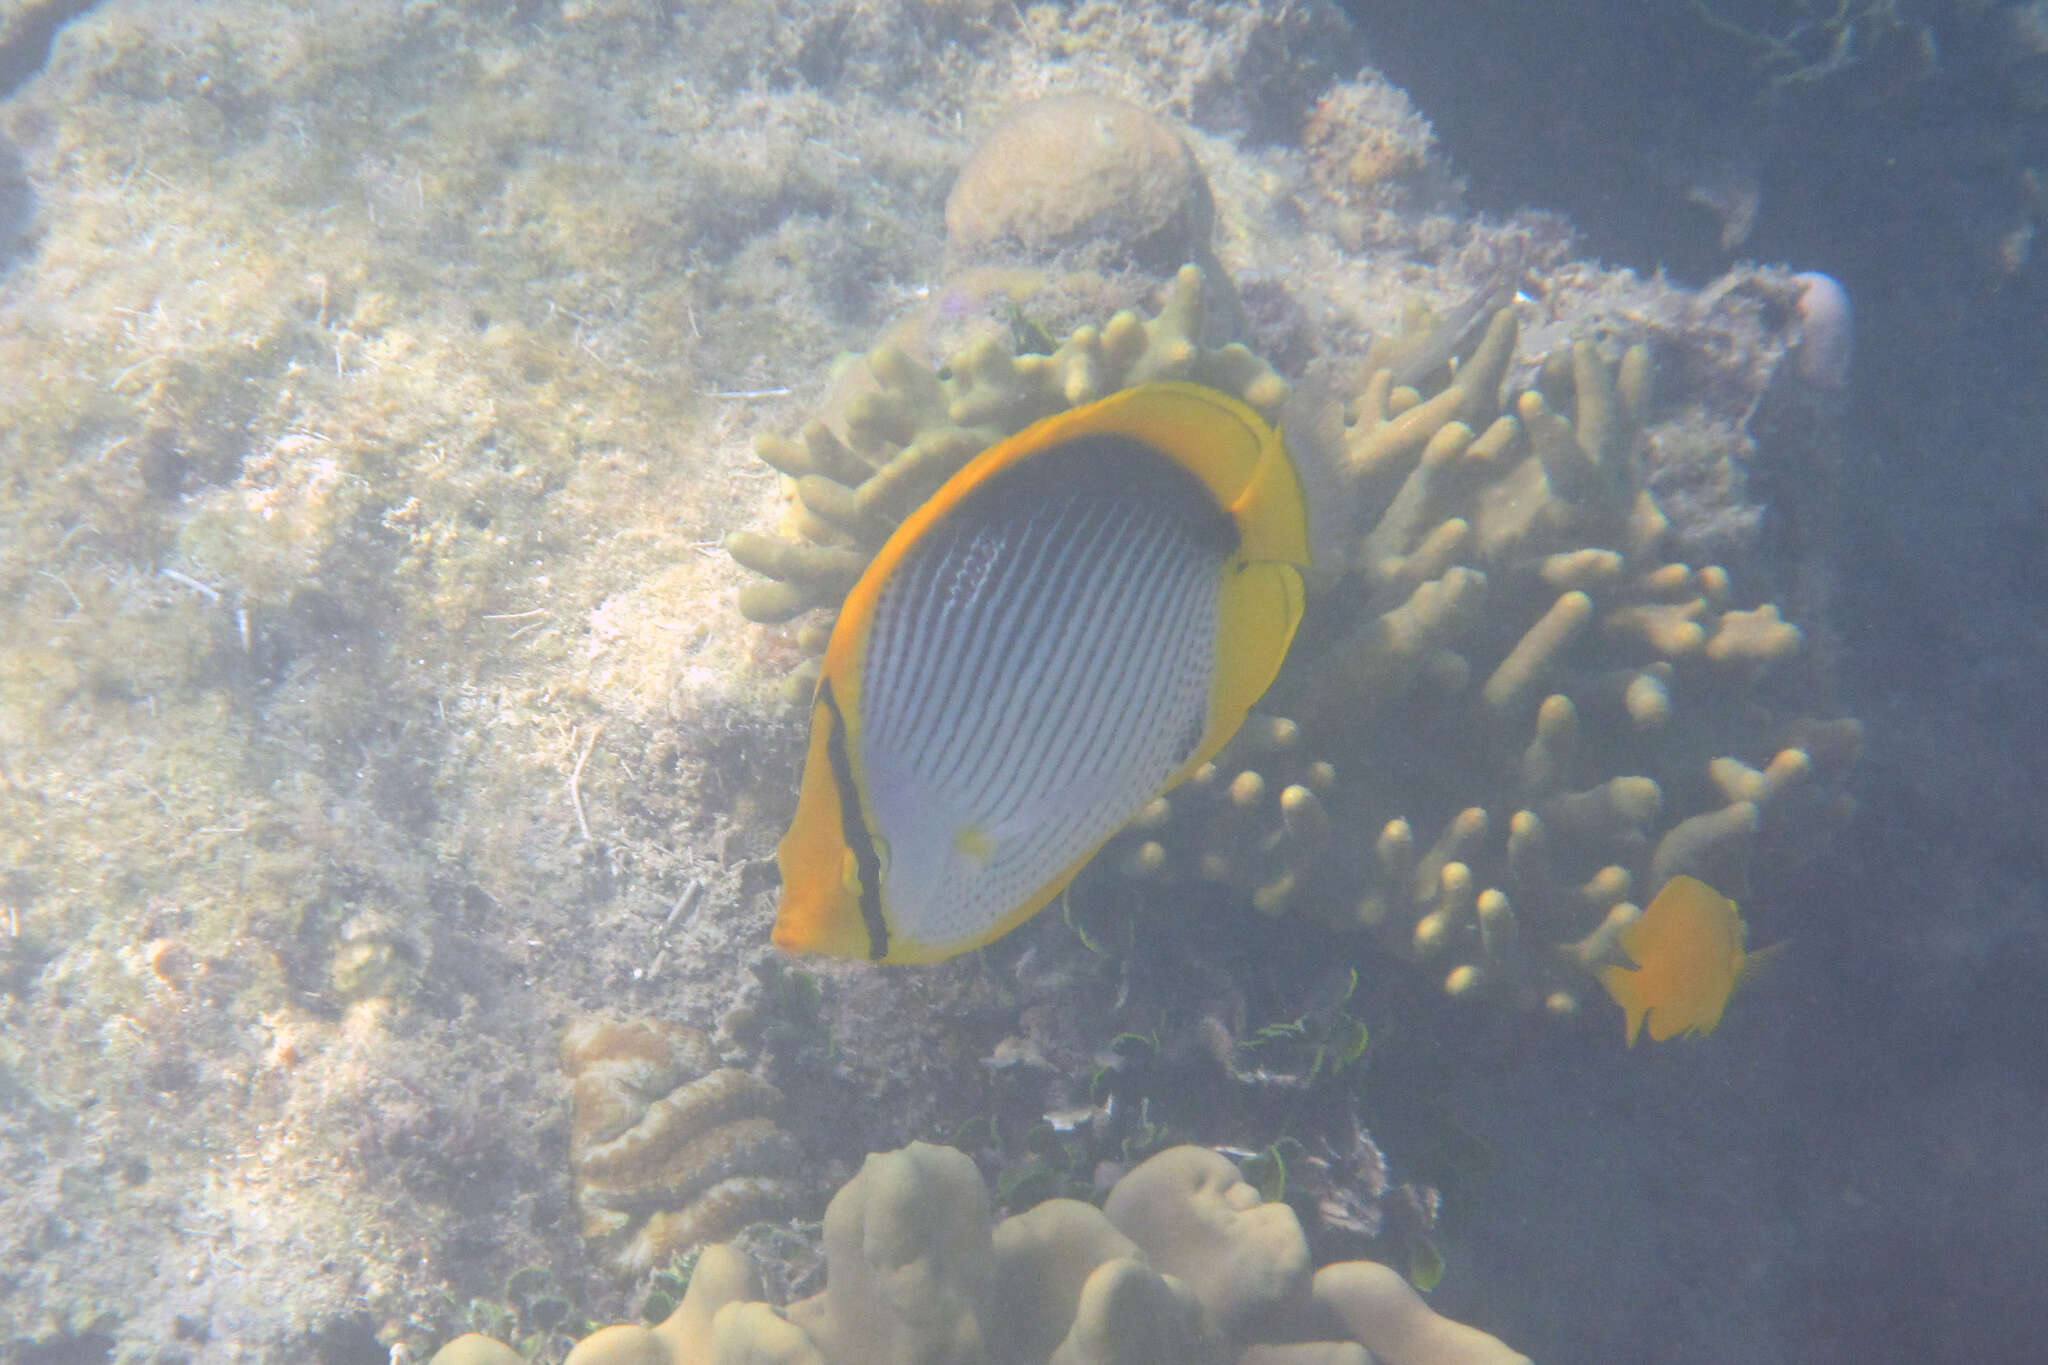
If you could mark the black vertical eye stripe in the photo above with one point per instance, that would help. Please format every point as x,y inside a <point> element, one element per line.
<point>853,827</point>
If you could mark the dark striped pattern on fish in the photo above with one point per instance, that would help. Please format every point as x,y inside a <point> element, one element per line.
<point>1072,623</point>
<point>1037,668</point>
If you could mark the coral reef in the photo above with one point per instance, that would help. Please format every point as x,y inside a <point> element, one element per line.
<point>909,431</point>
<point>376,384</point>
<point>352,464</point>
<point>1372,155</point>
<point>669,1149</point>
<point>1183,1263</point>
<point>1236,1039</point>
<point>1536,710</point>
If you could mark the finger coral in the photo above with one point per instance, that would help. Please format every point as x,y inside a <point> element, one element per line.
<point>1185,1263</point>
<point>1513,711</point>
<point>1532,713</point>
<point>669,1149</point>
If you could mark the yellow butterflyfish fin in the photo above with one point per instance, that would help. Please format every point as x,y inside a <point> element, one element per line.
<point>1621,984</point>
<point>1239,457</point>
<point>1271,510</point>
<point>824,877</point>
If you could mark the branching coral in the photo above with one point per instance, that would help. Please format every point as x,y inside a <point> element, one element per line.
<point>670,1150</point>
<point>1185,1263</point>
<point>1534,714</point>
<point>1511,713</point>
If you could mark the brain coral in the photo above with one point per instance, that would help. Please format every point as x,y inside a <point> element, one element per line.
<point>1184,1264</point>
<point>1511,713</point>
<point>669,1149</point>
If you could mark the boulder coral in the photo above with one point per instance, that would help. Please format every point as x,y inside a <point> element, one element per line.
<point>1183,1264</point>
<point>1080,174</point>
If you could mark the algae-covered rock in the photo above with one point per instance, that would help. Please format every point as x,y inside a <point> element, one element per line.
<point>1080,175</point>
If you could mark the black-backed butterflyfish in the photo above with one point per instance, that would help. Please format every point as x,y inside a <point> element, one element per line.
<point>1070,625</point>
<point>1687,947</point>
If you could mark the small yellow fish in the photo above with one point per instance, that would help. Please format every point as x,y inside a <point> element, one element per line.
<point>1687,947</point>
<point>1070,625</point>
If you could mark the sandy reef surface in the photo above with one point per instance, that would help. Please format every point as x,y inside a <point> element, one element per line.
<point>376,383</point>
